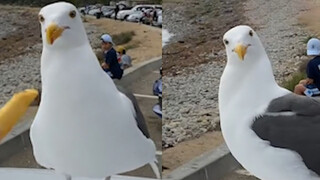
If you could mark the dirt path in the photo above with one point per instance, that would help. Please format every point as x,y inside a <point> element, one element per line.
<point>186,151</point>
<point>310,17</point>
<point>146,42</point>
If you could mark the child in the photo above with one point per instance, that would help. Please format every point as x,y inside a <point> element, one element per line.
<point>311,85</point>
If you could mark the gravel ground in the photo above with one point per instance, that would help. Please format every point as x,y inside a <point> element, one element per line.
<point>197,40</point>
<point>190,103</point>
<point>280,32</point>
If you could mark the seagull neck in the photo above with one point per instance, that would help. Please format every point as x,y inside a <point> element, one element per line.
<point>259,71</point>
<point>55,57</point>
<point>64,49</point>
<point>246,85</point>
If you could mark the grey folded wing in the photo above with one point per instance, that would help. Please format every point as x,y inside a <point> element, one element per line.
<point>139,116</point>
<point>298,131</point>
<point>301,105</point>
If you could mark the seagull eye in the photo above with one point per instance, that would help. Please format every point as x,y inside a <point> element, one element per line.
<point>72,14</point>
<point>41,18</point>
<point>226,42</point>
<point>251,33</point>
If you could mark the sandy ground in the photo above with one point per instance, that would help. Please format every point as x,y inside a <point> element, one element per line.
<point>187,150</point>
<point>146,41</point>
<point>310,17</point>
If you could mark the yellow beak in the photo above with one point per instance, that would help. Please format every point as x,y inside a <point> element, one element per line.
<point>53,32</point>
<point>14,109</point>
<point>241,50</point>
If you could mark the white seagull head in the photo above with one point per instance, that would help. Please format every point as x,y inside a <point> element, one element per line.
<point>243,45</point>
<point>61,26</point>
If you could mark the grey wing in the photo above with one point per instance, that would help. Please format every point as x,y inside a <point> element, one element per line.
<point>139,116</point>
<point>299,131</point>
<point>301,105</point>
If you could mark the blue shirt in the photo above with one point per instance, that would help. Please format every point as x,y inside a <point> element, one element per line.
<point>157,87</point>
<point>114,67</point>
<point>313,71</point>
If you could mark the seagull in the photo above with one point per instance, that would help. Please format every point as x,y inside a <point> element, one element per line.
<point>272,133</point>
<point>84,126</point>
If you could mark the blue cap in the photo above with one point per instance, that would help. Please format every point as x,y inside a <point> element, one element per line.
<point>313,47</point>
<point>107,38</point>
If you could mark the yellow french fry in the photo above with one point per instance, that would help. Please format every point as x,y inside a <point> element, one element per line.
<point>14,109</point>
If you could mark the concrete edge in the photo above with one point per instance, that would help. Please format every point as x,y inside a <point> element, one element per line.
<point>40,174</point>
<point>212,165</point>
<point>14,145</point>
<point>140,69</point>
